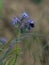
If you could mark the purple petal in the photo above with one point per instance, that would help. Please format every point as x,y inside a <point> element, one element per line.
<point>3,40</point>
<point>30,21</point>
<point>25,15</point>
<point>15,21</point>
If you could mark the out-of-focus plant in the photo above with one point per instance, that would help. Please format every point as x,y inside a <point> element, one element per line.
<point>38,37</point>
<point>1,6</point>
<point>37,1</point>
<point>14,60</point>
<point>44,42</point>
<point>21,27</point>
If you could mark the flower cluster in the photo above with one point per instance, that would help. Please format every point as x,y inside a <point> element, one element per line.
<point>25,26</point>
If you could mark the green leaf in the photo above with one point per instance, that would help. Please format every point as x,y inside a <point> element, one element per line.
<point>1,63</point>
<point>17,50</point>
<point>10,62</point>
<point>1,49</point>
<point>0,43</point>
<point>1,6</point>
<point>19,33</point>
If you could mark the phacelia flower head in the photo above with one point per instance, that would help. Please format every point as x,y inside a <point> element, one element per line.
<point>25,15</point>
<point>15,21</point>
<point>30,24</point>
<point>18,20</point>
<point>3,40</point>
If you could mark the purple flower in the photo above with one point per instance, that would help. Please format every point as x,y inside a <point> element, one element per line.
<point>30,24</point>
<point>15,21</point>
<point>3,40</point>
<point>25,15</point>
<point>30,21</point>
<point>18,20</point>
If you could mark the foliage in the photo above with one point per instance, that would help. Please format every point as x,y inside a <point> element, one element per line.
<point>1,6</point>
<point>37,1</point>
